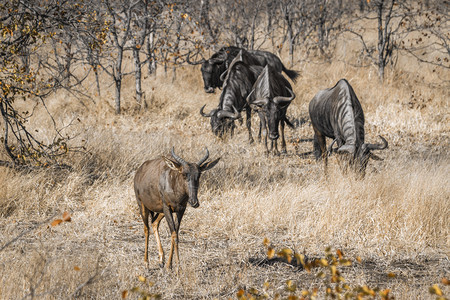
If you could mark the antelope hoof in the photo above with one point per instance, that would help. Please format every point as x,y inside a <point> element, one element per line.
<point>161,265</point>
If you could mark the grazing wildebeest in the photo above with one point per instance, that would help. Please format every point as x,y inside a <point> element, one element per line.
<point>218,63</point>
<point>164,186</point>
<point>270,97</point>
<point>236,87</point>
<point>337,113</point>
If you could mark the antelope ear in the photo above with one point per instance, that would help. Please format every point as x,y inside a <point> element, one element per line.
<point>171,164</point>
<point>209,165</point>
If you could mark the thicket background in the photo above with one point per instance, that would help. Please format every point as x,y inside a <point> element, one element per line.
<point>77,124</point>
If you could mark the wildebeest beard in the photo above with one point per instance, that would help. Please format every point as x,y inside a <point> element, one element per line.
<point>222,126</point>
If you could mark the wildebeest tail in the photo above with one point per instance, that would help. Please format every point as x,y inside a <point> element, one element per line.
<point>292,74</point>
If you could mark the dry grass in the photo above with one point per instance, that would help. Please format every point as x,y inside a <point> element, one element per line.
<point>396,219</point>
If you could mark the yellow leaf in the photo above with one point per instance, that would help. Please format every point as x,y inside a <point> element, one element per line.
<point>56,222</point>
<point>385,294</point>
<point>124,294</point>
<point>435,290</point>
<point>392,275</point>
<point>270,253</point>
<point>323,262</point>
<point>141,278</point>
<point>66,217</point>
<point>445,281</point>
<point>345,262</point>
<point>76,268</point>
<point>333,270</point>
<point>266,242</point>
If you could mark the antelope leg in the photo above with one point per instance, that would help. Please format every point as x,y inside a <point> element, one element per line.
<point>155,227</point>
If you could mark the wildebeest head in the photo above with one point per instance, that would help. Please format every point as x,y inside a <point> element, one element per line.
<point>211,71</point>
<point>272,95</point>
<point>212,68</point>
<point>359,156</point>
<point>191,173</point>
<point>222,121</point>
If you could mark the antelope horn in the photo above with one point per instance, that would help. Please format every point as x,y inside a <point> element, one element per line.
<point>382,146</point>
<point>208,115</point>
<point>279,99</point>
<point>193,63</point>
<point>201,161</point>
<point>177,158</point>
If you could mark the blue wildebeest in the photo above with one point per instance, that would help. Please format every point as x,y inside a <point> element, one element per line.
<point>238,83</point>
<point>218,63</point>
<point>270,97</point>
<point>337,113</point>
<point>163,187</point>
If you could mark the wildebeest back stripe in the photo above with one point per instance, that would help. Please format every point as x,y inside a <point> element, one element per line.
<point>346,116</point>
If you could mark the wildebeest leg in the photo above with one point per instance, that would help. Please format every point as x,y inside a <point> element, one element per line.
<point>274,147</point>
<point>249,125</point>
<point>283,141</point>
<point>263,126</point>
<point>320,148</point>
<point>156,219</point>
<point>260,129</point>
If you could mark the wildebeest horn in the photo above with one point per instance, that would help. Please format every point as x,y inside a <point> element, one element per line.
<point>203,114</point>
<point>194,63</point>
<point>382,146</point>
<point>223,76</point>
<point>248,97</point>
<point>279,99</point>
<point>228,114</point>
<point>216,60</point>
<point>177,158</point>
<point>260,102</point>
<point>201,161</point>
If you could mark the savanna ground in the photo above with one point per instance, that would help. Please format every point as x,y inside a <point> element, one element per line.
<point>393,224</point>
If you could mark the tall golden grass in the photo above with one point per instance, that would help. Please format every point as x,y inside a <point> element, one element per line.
<point>396,219</point>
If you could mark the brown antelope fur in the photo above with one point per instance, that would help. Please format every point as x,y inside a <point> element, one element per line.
<point>163,187</point>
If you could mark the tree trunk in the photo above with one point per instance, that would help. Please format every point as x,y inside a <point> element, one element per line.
<point>137,72</point>
<point>380,41</point>
<point>118,78</point>
<point>384,36</point>
<point>150,54</point>
<point>97,80</point>
<point>204,19</point>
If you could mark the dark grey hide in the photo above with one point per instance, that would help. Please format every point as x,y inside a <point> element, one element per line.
<point>237,85</point>
<point>214,67</point>
<point>337,113</point>
<point>270,97</point>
